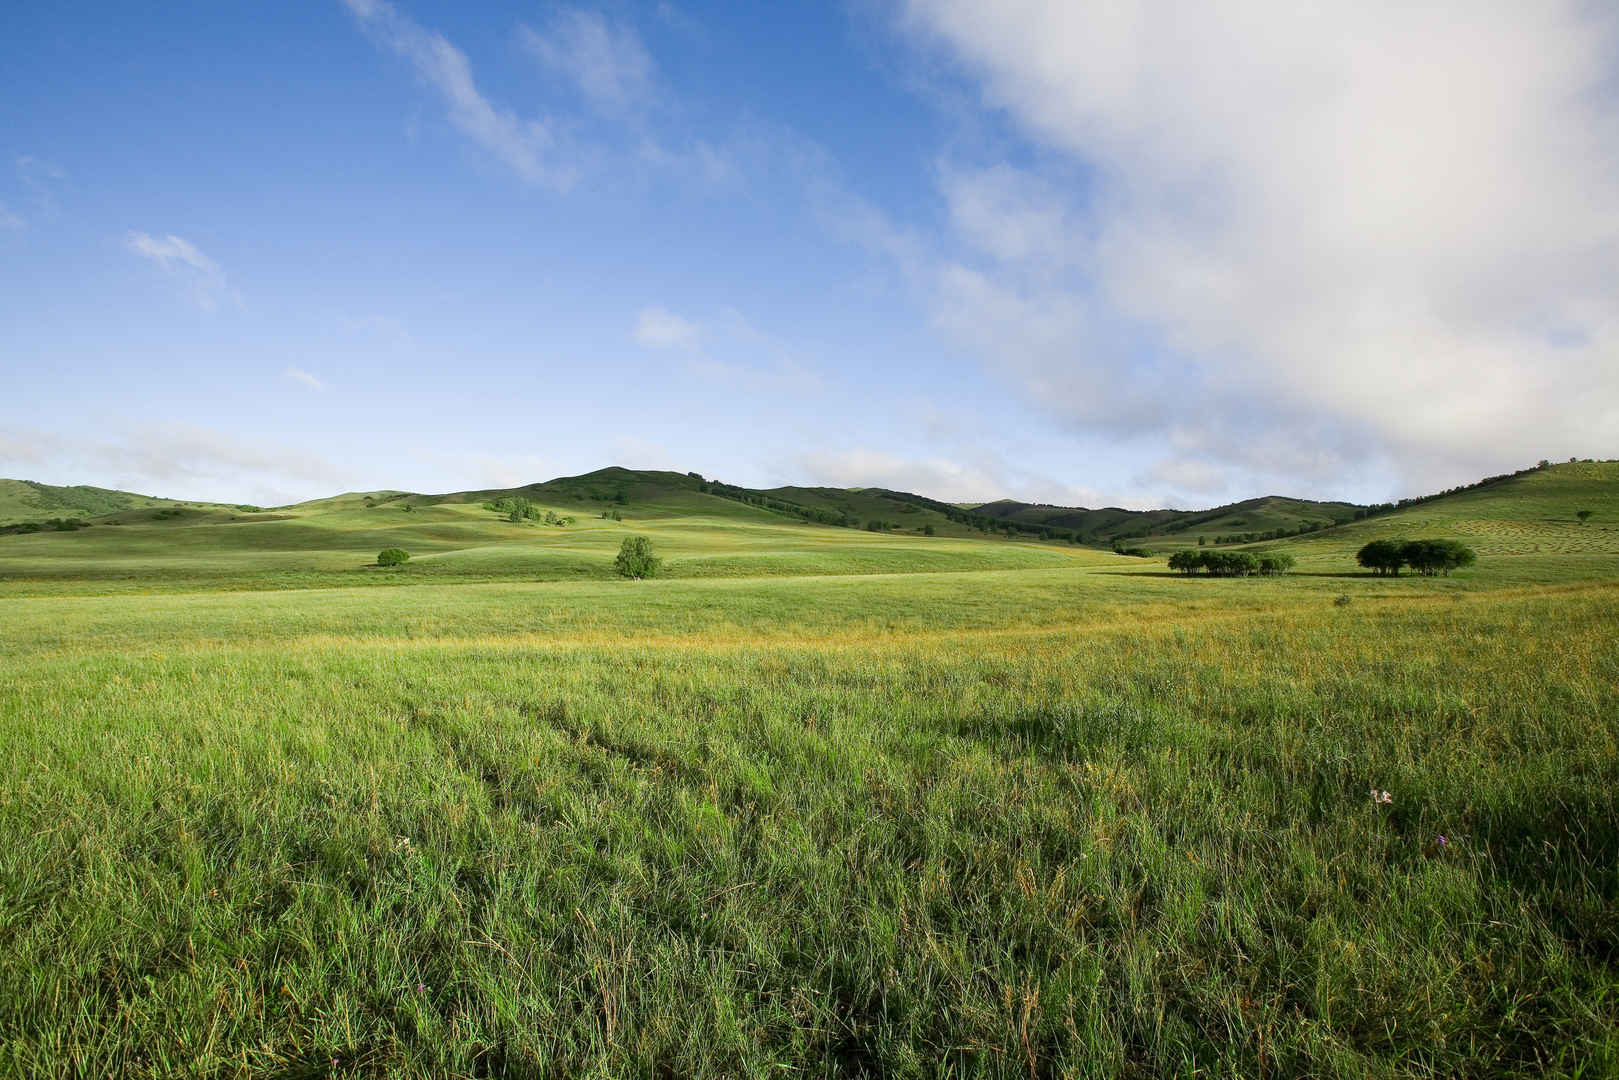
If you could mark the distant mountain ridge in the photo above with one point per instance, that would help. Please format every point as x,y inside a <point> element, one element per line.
<point>880,509</point>
<point>1265,517</point>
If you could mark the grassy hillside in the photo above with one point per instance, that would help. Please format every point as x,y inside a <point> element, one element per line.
<point>27,500</point>
<point>1526,520</point>
<point>334,541</point>
<point>1168,529</point>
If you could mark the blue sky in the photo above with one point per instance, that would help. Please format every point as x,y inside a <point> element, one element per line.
<point>1075,253</point>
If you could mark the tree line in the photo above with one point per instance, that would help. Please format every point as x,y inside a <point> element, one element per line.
<point>1230,563</point>
<point>56,524</point>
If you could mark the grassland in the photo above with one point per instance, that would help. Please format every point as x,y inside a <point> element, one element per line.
<point>821,803</point>
<point>26,500</point>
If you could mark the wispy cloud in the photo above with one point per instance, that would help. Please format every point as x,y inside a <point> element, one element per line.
<point>605,61</point>
<point>41,178</point>
<point>525,146</point>
<point>35,171</point>
<point>298,375</point>
<point>204,280</point>
<point>660,328</point>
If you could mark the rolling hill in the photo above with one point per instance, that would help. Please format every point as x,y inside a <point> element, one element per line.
<point>27,500</point>
<point>1268,514</point>
<point>457,537</point>
<point>705,528</point>
<point>1529,514</point>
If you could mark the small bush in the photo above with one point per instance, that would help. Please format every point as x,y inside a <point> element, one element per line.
<point>392,557</point>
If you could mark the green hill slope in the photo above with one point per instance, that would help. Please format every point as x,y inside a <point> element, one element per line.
<point>455,536</point>
<point>1162,529</point>
<point>1531,514</point>
<point>704,528</point>
<point>27,500</point>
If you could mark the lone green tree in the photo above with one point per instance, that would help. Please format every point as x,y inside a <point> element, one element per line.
<point>392,557</point>
<point>635,559</point>
<point>1584,515</point>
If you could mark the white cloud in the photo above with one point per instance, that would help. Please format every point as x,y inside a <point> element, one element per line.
<point>659,328</point>
<point>172,460</point>
<point>607,62</point>
<point>204,280</point>
<point>524,146</point>
<point>937,477</point>
<point>1359,231</point>
<point>304,377</point>
<point>170,250</point>
<point>633,452</point>
<point>478,471</point>
<point>1187,474</point>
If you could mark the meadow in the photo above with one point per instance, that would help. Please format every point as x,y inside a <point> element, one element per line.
<point>818,802</point>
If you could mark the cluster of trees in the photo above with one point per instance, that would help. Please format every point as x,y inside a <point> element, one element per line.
<point>1279,533</point>
<point>808,514</point>
<point>1426,557</point>
<point>1230,563</point>
<point>984,523</point>
<point>636,559</point>
<point>58,524</point>
<point>612,515</point>
<point>392,557</point>
<point>517,509</point>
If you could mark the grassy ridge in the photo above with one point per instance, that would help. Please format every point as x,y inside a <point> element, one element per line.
<point>27,500</point>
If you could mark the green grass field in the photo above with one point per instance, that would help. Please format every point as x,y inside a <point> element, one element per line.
<point>818,802</point>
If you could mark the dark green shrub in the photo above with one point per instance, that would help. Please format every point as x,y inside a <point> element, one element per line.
<point>635,558</point>
<point>1382,557</point>
<point>1275,562</point>
<point>1430,557</point>
<point>1187,562</point>
<point>392,557</point>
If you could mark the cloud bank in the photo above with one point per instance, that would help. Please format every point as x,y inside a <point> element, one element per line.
<point>1279,240</point>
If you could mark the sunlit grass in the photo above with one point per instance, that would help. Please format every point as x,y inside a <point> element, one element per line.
<point>997,810</point>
